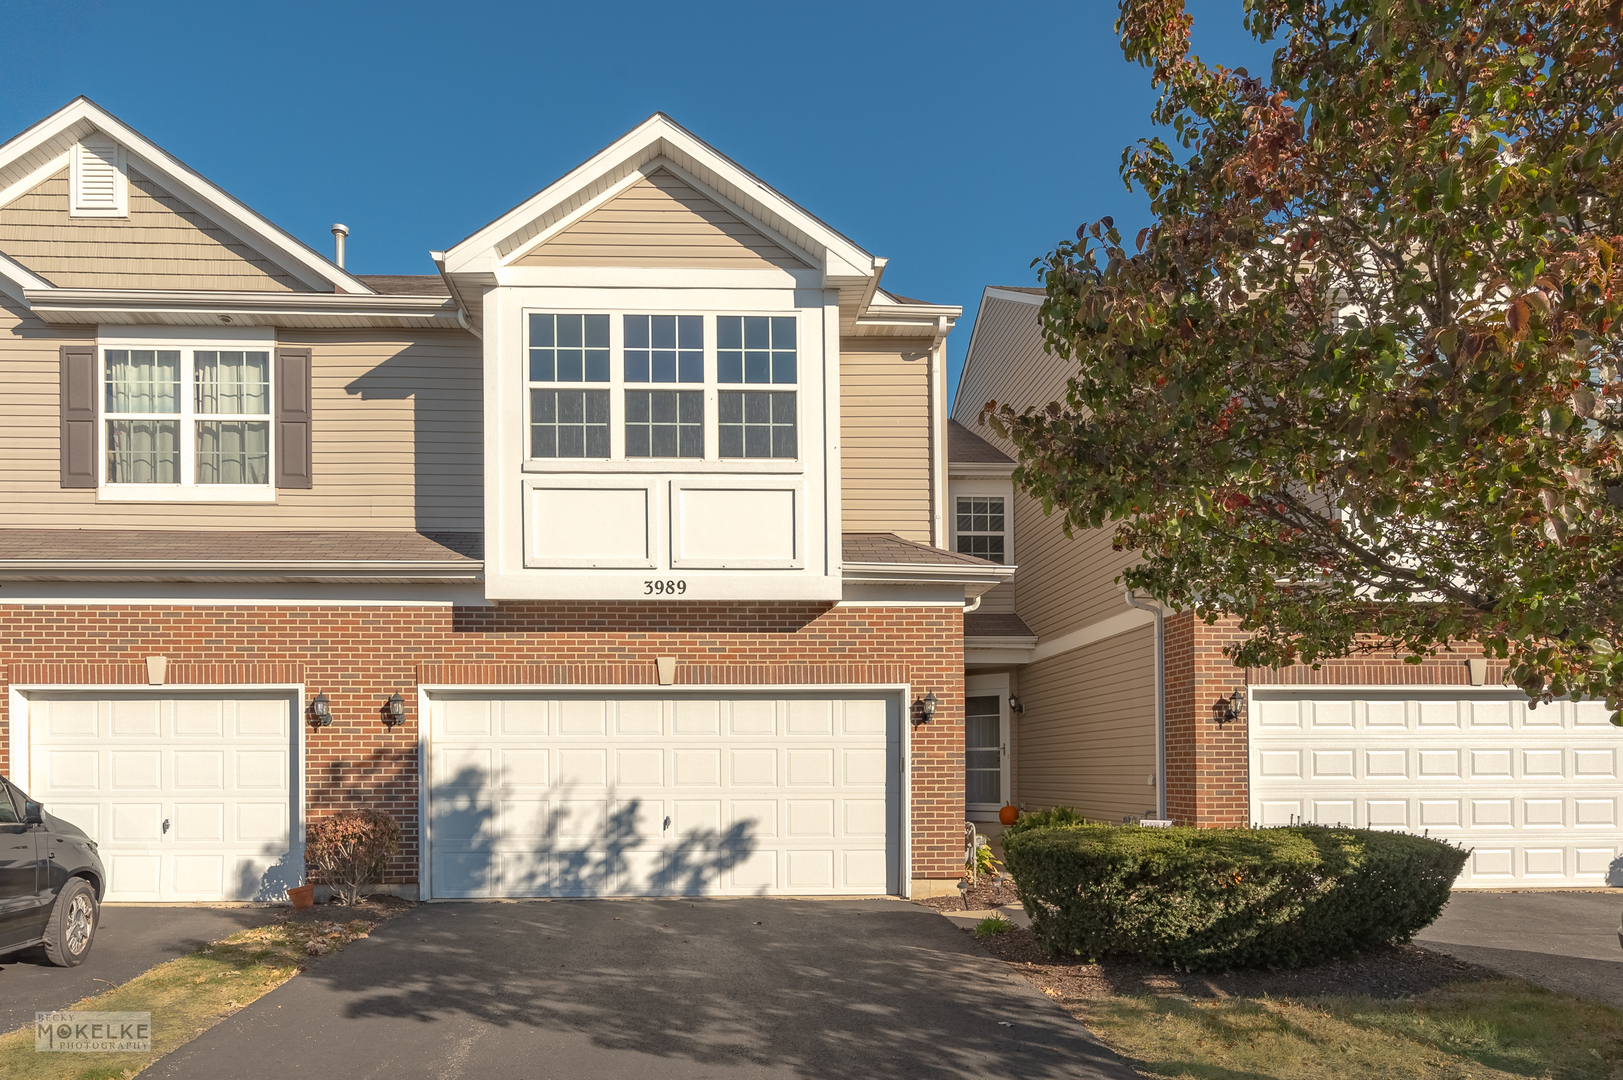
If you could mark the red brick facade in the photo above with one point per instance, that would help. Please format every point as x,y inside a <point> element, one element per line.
<point>1208,769</point>
<point>358,656</point>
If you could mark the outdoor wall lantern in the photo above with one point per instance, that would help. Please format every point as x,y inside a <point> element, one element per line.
<point>320,711</point>
<point>1015,706</point>
<point>1226,710</point>
<point>926,710</point>
<point>394,710</point>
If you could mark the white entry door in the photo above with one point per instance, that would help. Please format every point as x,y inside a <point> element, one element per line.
<point>1533,792</point>
<point>188,797</point>
<point>566,795</point>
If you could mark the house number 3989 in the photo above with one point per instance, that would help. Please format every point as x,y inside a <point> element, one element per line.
<point>668,587</point>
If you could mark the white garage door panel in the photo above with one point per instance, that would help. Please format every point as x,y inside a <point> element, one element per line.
<point>587,796</point>
<point>217,768</point>
<point>1531,791</point>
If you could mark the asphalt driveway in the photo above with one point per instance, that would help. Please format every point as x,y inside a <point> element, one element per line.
<point>673,989</point>
<point>131,939</point>
<point>1561,940</point>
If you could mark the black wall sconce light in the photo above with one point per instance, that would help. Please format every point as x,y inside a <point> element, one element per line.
<point>1226,710</point>
<point>1015,706</point>
<point>924,711</point>
<point>394,710</point>
<point>320,711</point>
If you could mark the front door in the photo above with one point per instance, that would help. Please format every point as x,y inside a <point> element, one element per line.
<point>19,865</point>
<point>983,753</point>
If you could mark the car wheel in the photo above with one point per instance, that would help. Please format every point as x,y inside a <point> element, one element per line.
<point>73,924</point>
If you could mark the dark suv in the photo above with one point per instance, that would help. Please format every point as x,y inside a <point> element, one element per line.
<point>50,881</point>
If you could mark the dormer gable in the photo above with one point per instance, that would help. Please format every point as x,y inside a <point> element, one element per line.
<point>87,203</point>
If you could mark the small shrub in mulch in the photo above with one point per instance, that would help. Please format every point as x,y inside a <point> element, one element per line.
<point>351,850</point>
<point>1221,899</point>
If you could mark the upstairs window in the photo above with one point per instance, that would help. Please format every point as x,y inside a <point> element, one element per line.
<point>652,386</point>
<point>569,421</point>
<point>981,526</point>
<point>757,423</point>
<point>187,416</point>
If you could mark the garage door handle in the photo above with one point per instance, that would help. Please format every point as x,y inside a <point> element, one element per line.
<point>667,822</point>
<point>165,824</point>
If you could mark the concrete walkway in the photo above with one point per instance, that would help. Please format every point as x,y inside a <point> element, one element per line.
<point>673,989</point>
<point>1557,939</point>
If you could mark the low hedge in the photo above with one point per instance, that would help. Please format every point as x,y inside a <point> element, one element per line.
<point>1218,899</point>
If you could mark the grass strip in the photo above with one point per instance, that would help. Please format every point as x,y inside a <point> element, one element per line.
<point>186,997</point>
<point>1483,1030</point>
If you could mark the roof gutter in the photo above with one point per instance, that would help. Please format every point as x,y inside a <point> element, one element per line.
<point>459,571</point>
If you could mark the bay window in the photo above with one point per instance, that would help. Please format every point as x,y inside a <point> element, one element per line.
<point>694,387</point>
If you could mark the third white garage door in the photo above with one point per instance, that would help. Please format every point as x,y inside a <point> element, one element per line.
<point>535,794</point>
<point>1534,792</point>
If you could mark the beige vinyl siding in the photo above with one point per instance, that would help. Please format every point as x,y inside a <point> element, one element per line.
<point>661,220</point>
<point>885,439</point>
<point>999,600</point>
<point>397,439</point>
<point>1087,736</point>
<point>163,244</point>
<point>1063,584</point>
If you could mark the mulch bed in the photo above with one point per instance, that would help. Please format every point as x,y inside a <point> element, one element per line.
<point>974,898</point>
<point>1393,971</point>
<point>330,926</point>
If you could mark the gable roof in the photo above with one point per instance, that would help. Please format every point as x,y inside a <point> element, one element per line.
<point>40,152</point>
<point>661,142</point>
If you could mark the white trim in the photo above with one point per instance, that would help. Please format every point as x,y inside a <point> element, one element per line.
<point>34,179</point>
<point>1413,689</point>
<point>1131,619</point>
<point>16,280</point>
<point>994,292</point>
<point>209,594</point>
<point>902,691</point>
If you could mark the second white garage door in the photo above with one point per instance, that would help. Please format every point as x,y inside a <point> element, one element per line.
<point>562,795</point>
<point>1533,792</point>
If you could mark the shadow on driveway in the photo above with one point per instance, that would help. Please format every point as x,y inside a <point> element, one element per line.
<point>130,939</point>
<point>1560,940</point>
<point>849,990</point>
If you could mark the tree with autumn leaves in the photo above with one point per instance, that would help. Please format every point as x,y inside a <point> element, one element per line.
<point>1359,383</point>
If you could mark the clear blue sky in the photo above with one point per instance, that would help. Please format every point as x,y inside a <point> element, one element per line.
<point>959,140</point>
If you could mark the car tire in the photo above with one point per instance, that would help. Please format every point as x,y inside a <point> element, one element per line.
<point>72,926</point>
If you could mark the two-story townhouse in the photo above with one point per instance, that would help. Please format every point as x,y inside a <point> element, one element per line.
<point>1124,710</point>
<point>612,558</point>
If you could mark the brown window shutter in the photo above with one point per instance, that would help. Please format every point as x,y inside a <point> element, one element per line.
<point>79,426</point>
<point>293,418</point>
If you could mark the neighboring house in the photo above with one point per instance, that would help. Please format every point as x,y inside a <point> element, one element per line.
<point>612,558</point>
<point>1117,701</point>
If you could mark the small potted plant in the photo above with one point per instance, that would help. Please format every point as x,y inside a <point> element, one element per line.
<point>302,896</point>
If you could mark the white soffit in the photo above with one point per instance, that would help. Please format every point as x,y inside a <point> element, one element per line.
<point>578,191</point>
<point>41,150</point>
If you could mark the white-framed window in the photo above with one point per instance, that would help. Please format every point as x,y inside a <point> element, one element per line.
<point>653,385</point>
<point>981,526</point>
<point>183,418</point>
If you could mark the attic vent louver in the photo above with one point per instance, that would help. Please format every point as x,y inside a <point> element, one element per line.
<point>98,181</point>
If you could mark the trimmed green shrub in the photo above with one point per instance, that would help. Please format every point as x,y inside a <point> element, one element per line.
<point>1218,899</point>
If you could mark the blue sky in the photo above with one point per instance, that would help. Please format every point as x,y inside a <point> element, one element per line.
<point>961,141</point>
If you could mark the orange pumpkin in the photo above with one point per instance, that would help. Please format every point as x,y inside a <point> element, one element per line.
<point>1009,814</point>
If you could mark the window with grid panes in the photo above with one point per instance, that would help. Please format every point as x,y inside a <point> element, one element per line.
<point>664,349</point>
<point>569,421</point>
<point>187,417</point>
<point>760,350</point>
<point>980,526</point>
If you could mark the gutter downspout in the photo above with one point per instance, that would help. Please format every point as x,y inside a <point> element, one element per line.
<point>1160,701</point>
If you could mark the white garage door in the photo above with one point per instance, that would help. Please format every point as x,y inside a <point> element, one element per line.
<point>188,798</point>
<point>533,795</point>
<point>1533,791</point>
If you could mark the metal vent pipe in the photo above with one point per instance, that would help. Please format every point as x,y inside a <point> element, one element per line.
<point>338,234</point>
